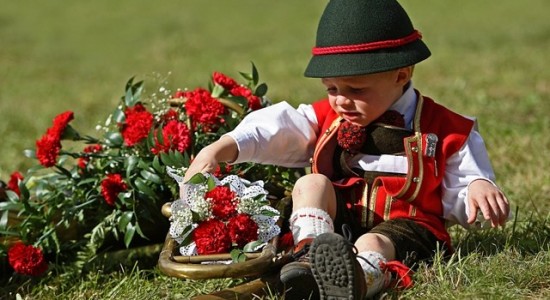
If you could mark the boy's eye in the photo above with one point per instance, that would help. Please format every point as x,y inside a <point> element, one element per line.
<point>356,90</point>
<point>332,91</point>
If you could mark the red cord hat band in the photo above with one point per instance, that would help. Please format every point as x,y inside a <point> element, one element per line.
<point>367,46</point>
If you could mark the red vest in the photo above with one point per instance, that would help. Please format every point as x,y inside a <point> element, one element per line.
<point>417,196</point>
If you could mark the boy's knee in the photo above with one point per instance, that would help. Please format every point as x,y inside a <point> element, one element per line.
<point>311,182</point>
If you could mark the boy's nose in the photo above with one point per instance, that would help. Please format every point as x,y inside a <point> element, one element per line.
<point>342,100</point>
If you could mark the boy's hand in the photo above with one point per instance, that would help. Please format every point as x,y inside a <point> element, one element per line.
<point>207,160</point>
<point>204,162</point>
<point>492,202</point>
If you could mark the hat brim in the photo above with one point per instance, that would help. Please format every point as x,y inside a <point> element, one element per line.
<point>339,65</point>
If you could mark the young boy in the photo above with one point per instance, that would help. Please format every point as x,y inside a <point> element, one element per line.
<point>391,169</point>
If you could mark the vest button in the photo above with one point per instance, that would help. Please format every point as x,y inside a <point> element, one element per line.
<point>414,149</point>
<point>416,179</point>
<point>311,160</point>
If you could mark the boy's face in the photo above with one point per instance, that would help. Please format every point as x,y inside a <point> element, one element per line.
<point>362,99</point>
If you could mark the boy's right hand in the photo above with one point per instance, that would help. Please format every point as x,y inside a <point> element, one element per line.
<point>204,162</point>
<point>207,160</point>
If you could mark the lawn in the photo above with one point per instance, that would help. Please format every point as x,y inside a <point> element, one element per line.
<point>489,60</point>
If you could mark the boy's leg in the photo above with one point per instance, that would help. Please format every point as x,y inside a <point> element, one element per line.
<point>343,270</point>
<point>313,200</point>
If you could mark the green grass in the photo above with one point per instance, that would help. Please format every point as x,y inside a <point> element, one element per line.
<point>490,60</point>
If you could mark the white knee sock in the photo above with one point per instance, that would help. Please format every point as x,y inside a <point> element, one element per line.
<point>376,279</point>
<point>309,222</point>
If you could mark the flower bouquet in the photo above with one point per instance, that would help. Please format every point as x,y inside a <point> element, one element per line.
<point>90,194</point>
<point>219,227</point>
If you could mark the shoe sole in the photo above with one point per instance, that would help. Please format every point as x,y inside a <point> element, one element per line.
<point>298,284</point>
<point>333,267</point>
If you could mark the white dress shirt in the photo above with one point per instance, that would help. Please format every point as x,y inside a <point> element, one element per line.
<point>285,136</point>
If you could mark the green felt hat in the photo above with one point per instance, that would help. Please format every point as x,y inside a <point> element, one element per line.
<point>357,37</point>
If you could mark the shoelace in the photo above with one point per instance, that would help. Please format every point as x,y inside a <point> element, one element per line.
<point>348,235</point>
<point>400,273</point>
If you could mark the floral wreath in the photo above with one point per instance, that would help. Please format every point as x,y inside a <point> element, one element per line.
<point>217,216</point>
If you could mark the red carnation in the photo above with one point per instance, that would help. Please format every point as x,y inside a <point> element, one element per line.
<point>223,205</point>
<point>47,150</point>
<point>211,237</point>
<point>202,108</point>
<point>176,136</point>
<point>227,82</point>
<point>351,137</point>
<point>13,184</point>
<point>111,186</point>
<point>27,260</point>
<point>83,161</point>
<point>254,102</point>
<point>61,121</point>
<point>138,124</point>
<point>49,145</point>
<point>219,172</point>
<point>170,115</point>
<point>242,230</point>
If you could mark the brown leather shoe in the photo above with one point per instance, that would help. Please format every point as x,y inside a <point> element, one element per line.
<point>336,269</point>
<point>296,277</point>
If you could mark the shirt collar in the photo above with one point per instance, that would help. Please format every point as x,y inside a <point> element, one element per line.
<point>406,105</point>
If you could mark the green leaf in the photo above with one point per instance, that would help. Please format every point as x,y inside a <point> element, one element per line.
<point>129,83</point>
<point>144,188</point>
<point>237,256</point>
<point>160,136</point>
<point>217,91</point>
<point>255,76</point>
<point>198,178</point>
<point>261,90</point>
<point>150,176</point>
<point>268,213</point>
<point>128,98</point>
<point>188,237</point>
<point>125,219</point>
<point>156,165</point>
<point>130,162</point>
<point>114,139</point>
<point>246,76</point>
<point>178,159</point>
<point>166,159</point>
<point>210,183</point>
<point>251,247</point>
<point>129,234</point>
<point>23,191</point>
<point>4,220</point>
<point>118,115</point>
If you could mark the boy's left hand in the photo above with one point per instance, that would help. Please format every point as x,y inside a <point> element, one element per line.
<point>488,198</point>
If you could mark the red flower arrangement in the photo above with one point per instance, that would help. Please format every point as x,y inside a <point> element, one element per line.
<point>111,187</point>
<point>27,260</point>
<point>217,216</point>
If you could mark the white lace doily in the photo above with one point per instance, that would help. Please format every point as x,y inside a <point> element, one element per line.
<point>251,200</point>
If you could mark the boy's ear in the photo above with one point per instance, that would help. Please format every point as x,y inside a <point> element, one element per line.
<point>404,75</point>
